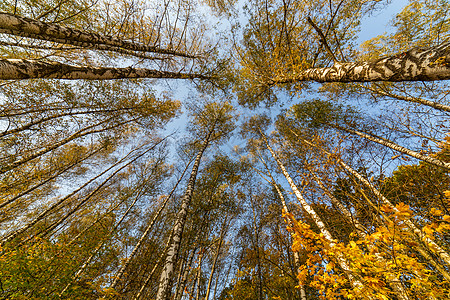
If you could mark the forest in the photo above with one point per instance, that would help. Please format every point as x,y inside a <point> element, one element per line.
<point>224,149</point>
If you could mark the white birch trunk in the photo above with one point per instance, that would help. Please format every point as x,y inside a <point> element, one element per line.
<point>26,27</point>
<point>394,146</point>
<point>146,232</point>
<point>435,248</point>
<point>396,284</point>
<point>165,281</point>
<point>285,208</point>
<point>429,103</point>
<point>216,257</point>
<point>45,213</point>
<point>69,167</point>
<point>12,69</point>
<point>310,211</point>
<point>180,288</point>
<point>430,244</point>
<point>199,272</point>
<point>414,65</point>
<point>147,280</point>
<point>98,248</point>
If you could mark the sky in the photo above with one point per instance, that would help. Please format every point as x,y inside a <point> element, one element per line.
<point>378,23</point>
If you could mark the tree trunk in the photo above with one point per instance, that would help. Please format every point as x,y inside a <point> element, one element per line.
<point>76,135</point>
<point>413,229</point>
<point>199,272</point>
<point>60,115</point>
<point>414,65</point>
<point>146,232</point>
<point>149,277</point>
<point>286,210</point>
<point>315,217</point>
<point>68,167</point>
<point>180,288</point>
<point>45,213</point>
<point>28,68</point>
<point>99,246</point>
<point>216,257</point>
<point>429,103</point>
<point>396,284</point>
<point>394,146</point>
<point>26,27</point>
<point>165,282</point>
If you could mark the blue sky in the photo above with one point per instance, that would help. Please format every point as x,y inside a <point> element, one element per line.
<point>379,22</point>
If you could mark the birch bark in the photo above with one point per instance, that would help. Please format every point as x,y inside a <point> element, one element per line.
<point>46,212</point>
<point>414,65</point>
<point>396,284</point>
<point>165,281</point>
<point>394,146</point>
<point>146,232</point>
<point>427,242</point>
<point>26,27</point>
<point>422,101</point>
<point>310,211</point>
<point>12,69</point>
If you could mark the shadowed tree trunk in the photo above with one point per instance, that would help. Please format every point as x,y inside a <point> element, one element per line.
<point>26,69</point>
<point>26,27</point>
<point>421,236</point>
<point>165,281</point>
<point>387,143</point>
<point>146,232</point>
<point>315,217</point>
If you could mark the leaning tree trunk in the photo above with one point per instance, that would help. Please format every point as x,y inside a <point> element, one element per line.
<point>60,115</point>
<point>149,276</point>
<point>286,210</point>
<point>99,246</point>
<point>46,212</point>
<point>80,133</point>
<point>55,175</point>
<point>146,232</point>
<point>428,243</point>
<point>412,227</point>
<point>216,256</point>
<point>315,217</point>
<point>395,283</point>
<point>417,100</point>
<point>296,256</point>
<point>28,68</point>
<point>26,27</point>
<point>184,275</point>
<point>165,281</point>
<point>393,146</point>
<point>413,65</point>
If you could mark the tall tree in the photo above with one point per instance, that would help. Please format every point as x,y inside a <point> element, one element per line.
<point>210,124</point>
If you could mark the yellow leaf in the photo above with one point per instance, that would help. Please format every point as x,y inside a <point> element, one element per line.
<point>387,208</point>
<point>330,267</point>
<point>436,212</point>
<point>428,230</point>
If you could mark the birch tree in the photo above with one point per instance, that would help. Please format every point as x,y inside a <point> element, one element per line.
<point>290,44</point>
<point>210,124</point>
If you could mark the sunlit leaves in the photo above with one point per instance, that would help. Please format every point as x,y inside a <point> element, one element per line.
<point>383,255</point>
